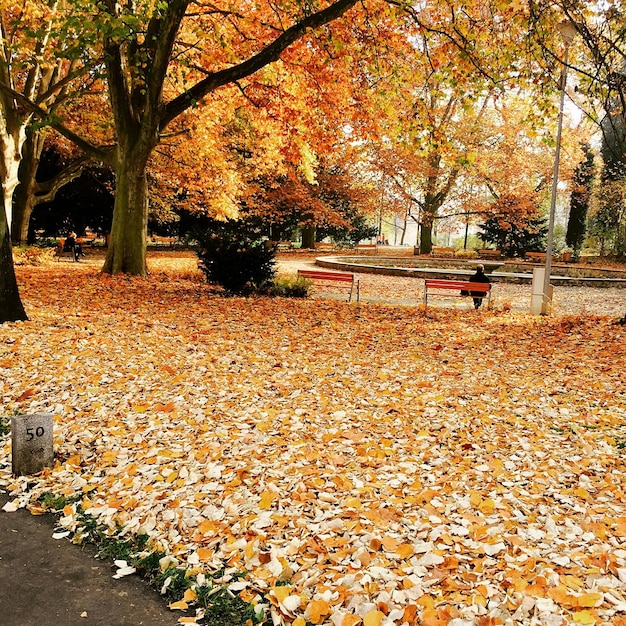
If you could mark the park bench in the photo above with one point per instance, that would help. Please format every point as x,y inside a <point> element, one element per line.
<point>324,246</point>
<point>535,256</point>
<point>61,249</point>
<point>366,247</point>
<point>442,252</point>
<point>330,279</point>
<point>440,287</point>
<point>489,254</point>
<point>282,245</point>
<point>162,241</point>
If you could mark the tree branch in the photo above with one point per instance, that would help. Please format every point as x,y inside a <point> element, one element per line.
<point>104,154</point>
<point>266,56</point>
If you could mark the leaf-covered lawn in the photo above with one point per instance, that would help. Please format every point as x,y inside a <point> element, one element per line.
<point>362,463</point>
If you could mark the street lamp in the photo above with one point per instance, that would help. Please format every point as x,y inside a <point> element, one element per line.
<point>567,30</point>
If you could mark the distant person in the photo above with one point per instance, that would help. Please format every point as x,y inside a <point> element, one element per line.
<point>478,277</point>
<point>73,246</point>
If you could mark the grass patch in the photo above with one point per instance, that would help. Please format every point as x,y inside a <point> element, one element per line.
<point>221,607</point>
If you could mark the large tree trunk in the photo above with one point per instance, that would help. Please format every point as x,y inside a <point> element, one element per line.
<point>426,238</point>
<point>11,142</point>
<point>308,237</point>
<point>24,196</point>
<point>127,247</point>
<point>11,308</point>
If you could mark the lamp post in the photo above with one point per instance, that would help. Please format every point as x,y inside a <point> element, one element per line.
<point>568,31</point>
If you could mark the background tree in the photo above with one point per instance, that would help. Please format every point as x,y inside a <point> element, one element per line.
<point>579,202</point>
<point>598,58</point>
<point>515,226</point>
<point>147,48</point>
<point>37,68</point>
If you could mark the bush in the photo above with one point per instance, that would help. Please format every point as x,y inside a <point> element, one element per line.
<point>32,255</point>
<point>289,288</point>
<point>233,256</point>
<point>466,254</point>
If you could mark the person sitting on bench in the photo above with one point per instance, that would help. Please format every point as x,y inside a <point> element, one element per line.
<point>478,277</point>
<point>72,245</point>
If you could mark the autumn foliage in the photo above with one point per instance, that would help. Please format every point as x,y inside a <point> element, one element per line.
<point>363,464</point>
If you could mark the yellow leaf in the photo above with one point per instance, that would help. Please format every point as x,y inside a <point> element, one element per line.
<point>373,618</point>
<point>589,599</point>
<point>405,550</point>
<point>204,554</point>
<point>487,506</point>
<point>390,544</point>
<point>353,503</point>
<point>581,492</point>
<point>316,610</point>
<point>299,621</point>
<point>584,617</point>
<point>280,593</point>
<point>267,497</point>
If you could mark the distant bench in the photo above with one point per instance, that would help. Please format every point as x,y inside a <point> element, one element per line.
<point>442,252</point>
<point>535,256</point>
<point>366,247</point>
<point>162,241</point>
<point>81,245</point>
<point>490,254</point>
<point>281,245</point>
<point>330,279</point>
<point>435,287</point>
<point>324,245</point>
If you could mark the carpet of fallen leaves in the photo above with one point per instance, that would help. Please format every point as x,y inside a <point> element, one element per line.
<point>364,464</point>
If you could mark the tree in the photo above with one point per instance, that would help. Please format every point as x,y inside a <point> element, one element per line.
<point>144,49</point>
<point>11,307</point>
<point>335,204</point>
<point>34,69</point>
<point>509,232</point>
<point>579,202</point>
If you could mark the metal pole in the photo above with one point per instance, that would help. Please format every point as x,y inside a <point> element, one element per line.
<point>545,309</point>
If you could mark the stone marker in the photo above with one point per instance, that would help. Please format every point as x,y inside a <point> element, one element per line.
<point>31,439</point>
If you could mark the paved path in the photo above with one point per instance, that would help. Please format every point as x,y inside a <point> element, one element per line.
<point>408,291</point>
<point>48,582</point>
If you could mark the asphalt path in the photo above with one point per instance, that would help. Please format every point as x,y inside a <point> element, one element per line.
<point>52,582</point>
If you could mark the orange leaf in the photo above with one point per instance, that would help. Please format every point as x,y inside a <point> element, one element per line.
<point>25,395</point>
<point>181,605</point>
<point>316,611</point>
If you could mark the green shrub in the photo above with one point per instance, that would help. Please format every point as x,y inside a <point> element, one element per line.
<point>289,288</point>
<point>233,255</point>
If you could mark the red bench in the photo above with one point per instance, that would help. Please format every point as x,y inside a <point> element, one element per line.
<point>329,279</point>
<point>441,287</point>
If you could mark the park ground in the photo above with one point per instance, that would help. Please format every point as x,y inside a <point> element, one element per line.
<point>369,463</point>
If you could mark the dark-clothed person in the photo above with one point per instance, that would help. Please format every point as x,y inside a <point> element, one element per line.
<point>478,277</point>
